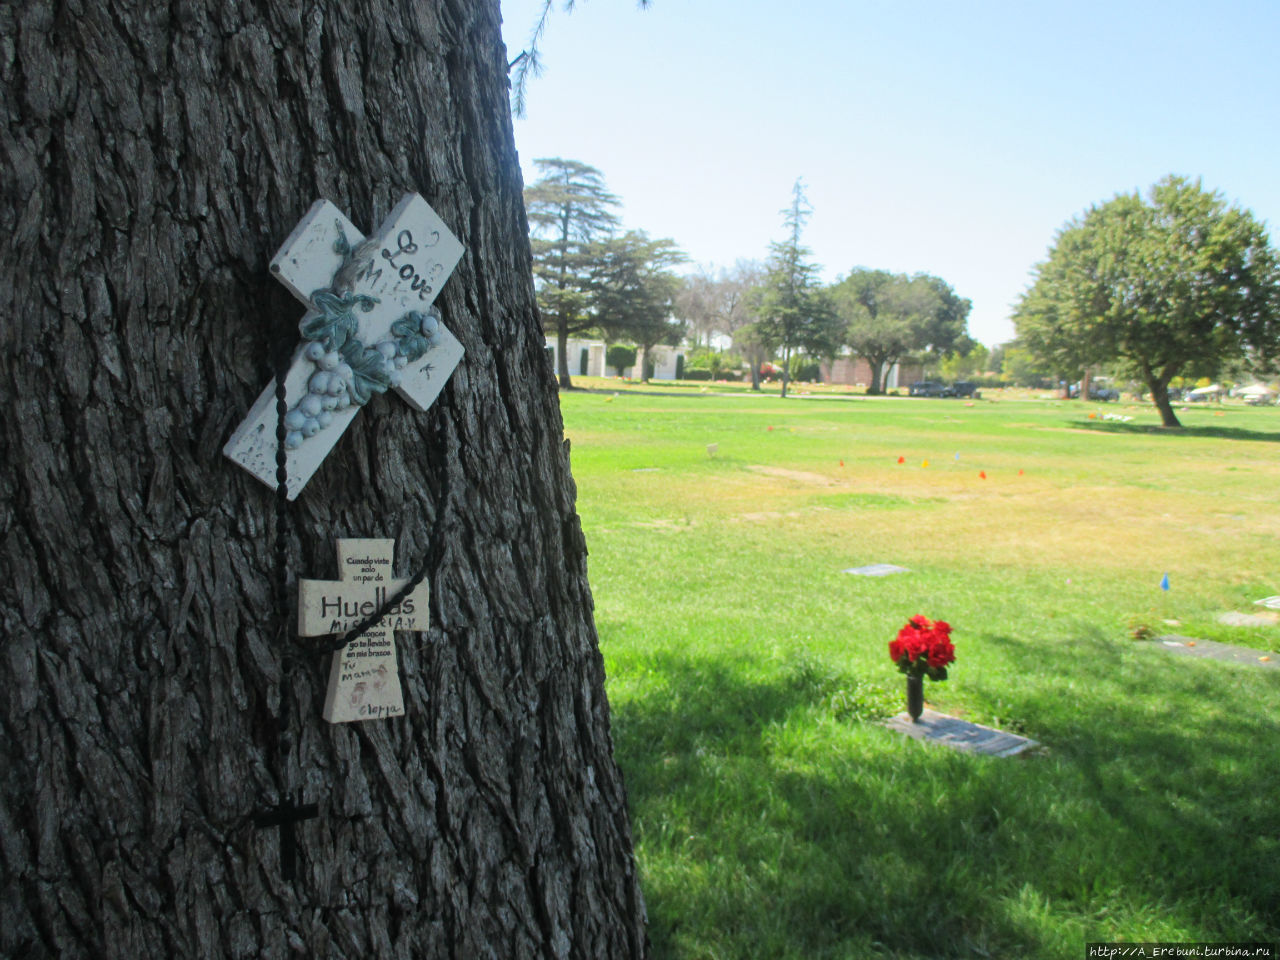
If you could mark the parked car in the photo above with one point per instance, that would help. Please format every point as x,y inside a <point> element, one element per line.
<point>965,388</point>
<point>931,388</point>
<point>1097,393</point>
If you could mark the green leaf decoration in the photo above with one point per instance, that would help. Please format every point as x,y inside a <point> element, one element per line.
<point>336,323</point>
<point>368,372</point>
<point>341,245</point>
<point>407,326</point>
<point>413,346</point>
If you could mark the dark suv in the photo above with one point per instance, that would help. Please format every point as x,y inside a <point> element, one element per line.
<point>931,388</point>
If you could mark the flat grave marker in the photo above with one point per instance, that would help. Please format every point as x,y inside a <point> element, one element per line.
<point>1233,619</point>
<point>876,570</point>
<point>1212,650</point>
<point>961,735</point>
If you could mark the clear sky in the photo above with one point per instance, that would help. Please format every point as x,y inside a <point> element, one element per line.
<point>949,137</point>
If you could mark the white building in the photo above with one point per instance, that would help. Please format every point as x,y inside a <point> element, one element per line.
<point>586,359</point>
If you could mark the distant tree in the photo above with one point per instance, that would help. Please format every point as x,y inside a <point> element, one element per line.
<point>889,316</point>
<point>569,212</point>
<point>738,295</point>
<point>695,305</point>
<point>967,359</point>
<point>631,289</point>
<point>620,356</point>
<point>1022,368</point>
<point>995,360</point>
<point>790,308</point>
<point>1177,283</point>
<point>754,341</point>
<point>721,303</point>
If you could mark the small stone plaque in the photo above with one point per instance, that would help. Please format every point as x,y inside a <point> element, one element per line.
<point>1233,619</point>
<point>364,678</point>
<point>876,570</point>
<point>1212,650</point>
<point>961,734</point>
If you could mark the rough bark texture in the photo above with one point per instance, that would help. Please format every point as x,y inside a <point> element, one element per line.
<point>154,156</point>
<point>1158,383</point>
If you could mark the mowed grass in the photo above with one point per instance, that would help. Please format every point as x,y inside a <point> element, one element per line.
<point>774,817</point>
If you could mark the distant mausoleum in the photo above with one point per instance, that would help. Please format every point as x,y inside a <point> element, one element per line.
<point>856,371</point>
<point>586,359</point>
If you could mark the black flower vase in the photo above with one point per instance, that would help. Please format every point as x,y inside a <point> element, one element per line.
<point>915,697</point>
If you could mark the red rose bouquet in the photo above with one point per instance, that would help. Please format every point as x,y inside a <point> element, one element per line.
<point>923,648</point>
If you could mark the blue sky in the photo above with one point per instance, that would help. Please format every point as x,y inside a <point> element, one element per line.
<point>953,138</point>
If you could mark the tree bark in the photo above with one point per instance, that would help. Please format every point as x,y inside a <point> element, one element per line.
<point>155,156</point>
<point>877,365</point>
<point>1160,397</point>
<point>562,356</point>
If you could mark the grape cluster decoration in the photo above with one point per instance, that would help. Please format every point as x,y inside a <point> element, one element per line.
<point>347,372</point>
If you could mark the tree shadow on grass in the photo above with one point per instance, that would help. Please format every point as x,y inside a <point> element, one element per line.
<point>1217,433</point>
<point>768,828</point>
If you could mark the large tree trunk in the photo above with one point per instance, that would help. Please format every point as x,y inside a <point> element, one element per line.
<point>1159,388</point>
<point>562,355</point>
<point>155,155</point>
<point>877,365</point>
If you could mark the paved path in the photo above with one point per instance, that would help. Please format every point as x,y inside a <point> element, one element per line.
<point>1191,647</point>
<point>961,734</point>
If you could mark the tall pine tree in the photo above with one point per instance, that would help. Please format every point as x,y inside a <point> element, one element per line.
<point>570,212</point>
<point>791,311</point>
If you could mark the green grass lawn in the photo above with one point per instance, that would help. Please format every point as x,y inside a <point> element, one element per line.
<point>774,817</point>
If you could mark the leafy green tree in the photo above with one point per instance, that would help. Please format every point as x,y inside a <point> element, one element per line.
<point>620,356</point>
<point>1022,368</point>
<point>632,290</point>
<point>889,316</point>
<point>967,359</point>
<point>570,212</point>
<point>792,313</point>
<point>995,360</point>
<point>1176,283</point>
<point>755,342</point>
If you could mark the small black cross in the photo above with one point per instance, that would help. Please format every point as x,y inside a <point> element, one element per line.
<point>284,815</point>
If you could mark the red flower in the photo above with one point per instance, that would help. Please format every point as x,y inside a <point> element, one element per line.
<point>923,645</point>
<point>941,652</point>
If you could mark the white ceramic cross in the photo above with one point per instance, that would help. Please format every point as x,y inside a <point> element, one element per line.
<point>364,678</point>
<point>412,256</point>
